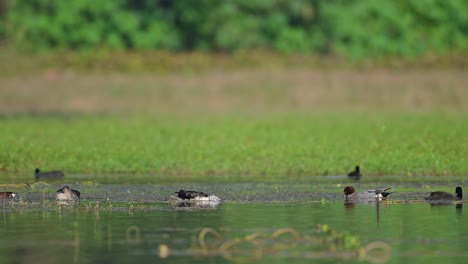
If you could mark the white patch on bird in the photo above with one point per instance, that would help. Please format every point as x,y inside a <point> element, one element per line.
<point>13,195</point>
<point>211,198</point>
<point>62,196</point>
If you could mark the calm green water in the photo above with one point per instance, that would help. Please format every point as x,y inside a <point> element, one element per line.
<point>139,226</point>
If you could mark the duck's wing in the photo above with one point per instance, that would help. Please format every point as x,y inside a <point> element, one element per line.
<point>378,191</point>
<point>77,193</point>
<point>57,174</point>
<point>50,174</point>
<point>366,195</point>
<point>438,195</point>
<point>203,194</point>
<point>190,194</point>
<point>194,194</point>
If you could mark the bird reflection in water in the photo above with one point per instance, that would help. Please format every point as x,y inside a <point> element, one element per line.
<point>195,204</point>
<point>351,204</point>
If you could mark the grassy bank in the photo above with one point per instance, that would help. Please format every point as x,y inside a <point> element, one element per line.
<point>262,147</point>
<point>20,64</point>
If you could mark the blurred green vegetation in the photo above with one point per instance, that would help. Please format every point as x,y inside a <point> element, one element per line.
<point>354,29</point>
<point>239,147</point>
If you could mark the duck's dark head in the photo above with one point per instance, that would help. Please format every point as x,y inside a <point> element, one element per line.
<point>181,192</point>
<point>459,192</point>
<point>357,169</point>
<point>348,190</point>
<point>36,173</point>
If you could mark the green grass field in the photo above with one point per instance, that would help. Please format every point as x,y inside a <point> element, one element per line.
<point>235,125</point>
<point>238,147</point>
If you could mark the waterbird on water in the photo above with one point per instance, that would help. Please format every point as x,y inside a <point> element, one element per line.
<point>48,174</point>
<point>377,194</point>
<point>196,196</point>
<point>355,174</point>
<point>67,193</point>
<point>445,196</point>
<point>5,195</point>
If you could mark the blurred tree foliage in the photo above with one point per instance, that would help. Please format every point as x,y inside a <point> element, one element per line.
<point>351,28</point>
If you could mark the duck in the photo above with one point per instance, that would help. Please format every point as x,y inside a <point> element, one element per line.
<point>68,194</point>
<point>196,196</point>
<point>6,195</point>
<point>384,193</point>
<point>355,174</point>
<point>48,175</point>
<point>445,196</point>
<point>377,194</point>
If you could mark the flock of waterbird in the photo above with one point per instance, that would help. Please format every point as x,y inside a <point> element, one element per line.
<point>68,194</point>
<point>383,194</point>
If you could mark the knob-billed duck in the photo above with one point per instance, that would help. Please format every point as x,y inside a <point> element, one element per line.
<point>355,174</point>
<point>445,196</point>
<point>196,196</point>
<point>48,175</point>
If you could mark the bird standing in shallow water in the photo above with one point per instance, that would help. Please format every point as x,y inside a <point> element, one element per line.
<point>68,194</point>
<point>356,174</point>
<point>445,196</point>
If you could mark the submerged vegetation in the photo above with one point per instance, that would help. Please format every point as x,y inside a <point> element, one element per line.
<point>237,147</point>
<point>323,243</point>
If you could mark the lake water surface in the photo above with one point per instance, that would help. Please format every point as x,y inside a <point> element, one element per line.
<point>255,222</point>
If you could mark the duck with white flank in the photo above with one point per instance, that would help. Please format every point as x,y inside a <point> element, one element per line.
<point>445,196</point>
<point>67,194</point>
<point>377,194</point>
<point>48,175</point>
<point>355,174</point>
<point>196,196</point>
